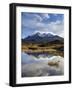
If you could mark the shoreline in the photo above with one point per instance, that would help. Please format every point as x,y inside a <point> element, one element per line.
<point>49,51</point>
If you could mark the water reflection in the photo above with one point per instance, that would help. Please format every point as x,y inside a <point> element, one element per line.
<point>37,55</point>
<point>41,64</point>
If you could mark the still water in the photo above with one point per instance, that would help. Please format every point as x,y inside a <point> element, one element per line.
<point>36,64</point>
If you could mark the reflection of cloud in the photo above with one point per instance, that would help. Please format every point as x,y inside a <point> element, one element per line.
<point>29,59</point>
<point>41,68</point>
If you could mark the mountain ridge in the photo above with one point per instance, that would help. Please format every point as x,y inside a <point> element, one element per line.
<point>43,38</point>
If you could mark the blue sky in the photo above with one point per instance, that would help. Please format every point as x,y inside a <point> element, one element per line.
<point>32,23</point>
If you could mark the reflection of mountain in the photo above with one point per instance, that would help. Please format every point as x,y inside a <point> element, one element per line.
<point>37,55</point>
<point>45,54</point>
<point>43,38</point>
<point>41,66</point>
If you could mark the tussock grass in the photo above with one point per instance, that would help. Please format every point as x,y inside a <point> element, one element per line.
<point>37,48</point>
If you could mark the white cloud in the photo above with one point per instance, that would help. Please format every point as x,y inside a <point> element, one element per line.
<point>54,27</point>
<point>45,15</point>
<point>55,14</point>
<point>46,31</point>
<point>37,17</point>
<point>38,26</point>
<point>57,28</point>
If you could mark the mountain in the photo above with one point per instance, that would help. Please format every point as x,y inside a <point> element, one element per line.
<point>43,38</point>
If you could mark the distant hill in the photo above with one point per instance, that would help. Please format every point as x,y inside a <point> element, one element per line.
<point>43,38</point>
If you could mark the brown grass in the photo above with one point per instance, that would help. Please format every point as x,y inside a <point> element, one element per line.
<point>51,49</point>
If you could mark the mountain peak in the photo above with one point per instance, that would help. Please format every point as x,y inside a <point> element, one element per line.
<point>43,37</point>
<point>43,34</point>
<point>37,33</point>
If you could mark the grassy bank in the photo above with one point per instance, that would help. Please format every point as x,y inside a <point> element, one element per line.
<point>38,48</point>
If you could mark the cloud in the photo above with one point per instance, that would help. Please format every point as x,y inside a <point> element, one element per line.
<point>55,14</point>
<point>45,15</point>
<point>57,27</point>
<point>53,27</point>
<point>34,22</point>
<point>37,17</point>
